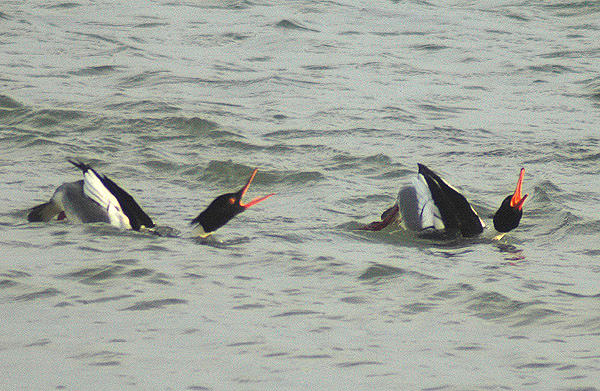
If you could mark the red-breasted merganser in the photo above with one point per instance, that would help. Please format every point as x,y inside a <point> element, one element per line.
<point>97,198</point>
<point>432,204</point>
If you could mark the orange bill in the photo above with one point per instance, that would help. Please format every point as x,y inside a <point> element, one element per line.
<point>245,189</point>
<point>517,200</point>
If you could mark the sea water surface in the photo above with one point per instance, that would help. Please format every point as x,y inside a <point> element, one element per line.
<point>335,102</point>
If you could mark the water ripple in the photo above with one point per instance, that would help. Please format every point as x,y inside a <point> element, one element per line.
<point>296,313</point>
<point>153,304</point>
<point>99,70</point>
<point>293,25</point>
<point>44,293</point>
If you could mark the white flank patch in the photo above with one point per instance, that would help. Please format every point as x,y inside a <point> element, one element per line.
<point>429,212</point>
<point>97,192</point>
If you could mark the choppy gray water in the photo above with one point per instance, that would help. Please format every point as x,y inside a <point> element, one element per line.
<point>335,102</point>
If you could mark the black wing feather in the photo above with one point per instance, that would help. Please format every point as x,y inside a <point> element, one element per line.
<point>455,209</point>
<point>135,213</point>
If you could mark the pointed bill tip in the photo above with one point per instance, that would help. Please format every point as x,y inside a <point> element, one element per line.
<point>247,185</point>
<point>256,201</point>
<point>245,189</point>
<point>517,200</point>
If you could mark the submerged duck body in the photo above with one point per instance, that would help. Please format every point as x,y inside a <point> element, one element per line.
<point>96,198</point>
<point>430,204</point>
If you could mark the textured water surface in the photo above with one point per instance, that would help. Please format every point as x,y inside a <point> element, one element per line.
<point>335,103</point>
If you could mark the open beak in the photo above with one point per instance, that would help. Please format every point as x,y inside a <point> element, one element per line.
<point>245,189</point>
<point>517,201</point>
